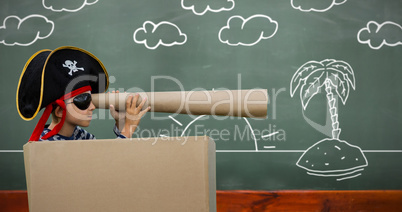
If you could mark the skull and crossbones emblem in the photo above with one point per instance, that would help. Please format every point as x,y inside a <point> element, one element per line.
<point>72,66</point>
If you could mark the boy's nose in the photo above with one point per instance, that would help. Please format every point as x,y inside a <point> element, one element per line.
<point>91,106</point>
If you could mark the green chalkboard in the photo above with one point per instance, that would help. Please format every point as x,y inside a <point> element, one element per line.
<point>332,70</point>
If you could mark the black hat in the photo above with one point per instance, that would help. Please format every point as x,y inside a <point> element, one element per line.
<point>52,76</point>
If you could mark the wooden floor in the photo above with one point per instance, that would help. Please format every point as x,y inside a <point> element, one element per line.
<point>292,200</point>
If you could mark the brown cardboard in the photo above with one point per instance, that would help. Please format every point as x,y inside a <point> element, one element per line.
<point>144,174</point>
<point>242,103</point>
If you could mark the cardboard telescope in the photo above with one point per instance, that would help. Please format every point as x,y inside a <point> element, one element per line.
<point>242,103</point>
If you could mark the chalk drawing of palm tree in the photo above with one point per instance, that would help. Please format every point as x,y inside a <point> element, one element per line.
<point>330,157</point>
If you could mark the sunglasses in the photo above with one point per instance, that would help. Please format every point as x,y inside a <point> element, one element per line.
<point>82,101</point>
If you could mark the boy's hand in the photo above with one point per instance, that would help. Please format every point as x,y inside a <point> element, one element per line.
<point>133,114</point>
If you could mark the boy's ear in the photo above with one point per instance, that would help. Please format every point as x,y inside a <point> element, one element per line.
<point>58,112</point>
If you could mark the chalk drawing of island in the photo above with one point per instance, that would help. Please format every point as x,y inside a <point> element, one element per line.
<point>330,157</point>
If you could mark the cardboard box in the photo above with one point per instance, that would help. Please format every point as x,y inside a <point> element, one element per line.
<point>145,174</point>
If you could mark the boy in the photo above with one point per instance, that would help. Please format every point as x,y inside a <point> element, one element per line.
<point>62,81</point>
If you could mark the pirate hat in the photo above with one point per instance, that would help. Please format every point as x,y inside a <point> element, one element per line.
<point>49,77</point>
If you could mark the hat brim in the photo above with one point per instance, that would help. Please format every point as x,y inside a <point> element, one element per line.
<point>28,74</point>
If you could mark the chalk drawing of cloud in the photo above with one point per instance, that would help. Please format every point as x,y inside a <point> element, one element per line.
<point>377,35</point>
<point>164,33</point>
<point>67,6</point>
<point>247,32</point>
<point>24,32</point>
<point>201,7</point>
<point>315,5</point>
